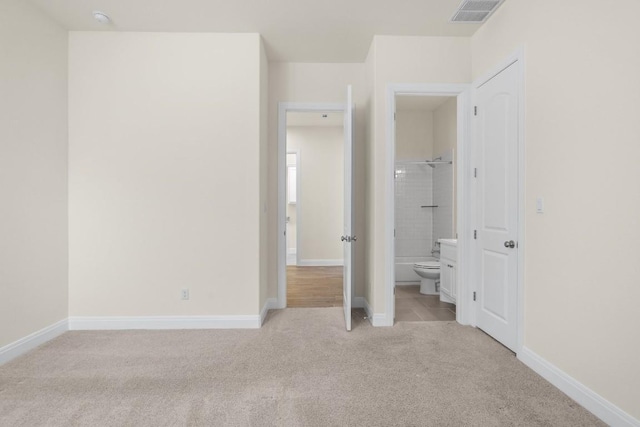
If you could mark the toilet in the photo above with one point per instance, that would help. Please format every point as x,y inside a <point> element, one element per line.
<point>429,272</point>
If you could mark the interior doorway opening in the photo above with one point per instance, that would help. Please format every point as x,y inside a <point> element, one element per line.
<point>453,161</point>
<point>314,208</point>
<point>425,205</point>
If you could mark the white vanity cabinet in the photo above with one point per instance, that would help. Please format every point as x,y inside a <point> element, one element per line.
<point>448,282</point>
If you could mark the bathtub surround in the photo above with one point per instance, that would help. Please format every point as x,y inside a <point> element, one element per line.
<point>414,223</point>
<point>424,211</point>
<point>443,189</point>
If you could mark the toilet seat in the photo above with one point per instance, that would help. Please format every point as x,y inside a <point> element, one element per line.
<point>428,265</point>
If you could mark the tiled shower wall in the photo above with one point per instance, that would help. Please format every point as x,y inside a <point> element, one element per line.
<point>420,185</point>
<point>443,185</point>
<point>413,223</point>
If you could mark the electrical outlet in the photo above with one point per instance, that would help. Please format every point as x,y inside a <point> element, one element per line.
<point>185,294</point>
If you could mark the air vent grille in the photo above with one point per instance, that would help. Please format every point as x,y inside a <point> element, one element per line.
<point>475,11</point>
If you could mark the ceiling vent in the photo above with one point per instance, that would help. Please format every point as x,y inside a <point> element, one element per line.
<point>475,11</point>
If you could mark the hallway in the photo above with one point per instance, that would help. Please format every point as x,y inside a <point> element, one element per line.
<point>314,286</point>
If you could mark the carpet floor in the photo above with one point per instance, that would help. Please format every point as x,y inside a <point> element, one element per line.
<point>300,369</point>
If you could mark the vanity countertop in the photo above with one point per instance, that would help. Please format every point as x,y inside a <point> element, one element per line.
<point>451,242</point>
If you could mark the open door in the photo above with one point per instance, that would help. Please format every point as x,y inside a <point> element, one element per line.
<point>348,238</point>
<point>497,205</point>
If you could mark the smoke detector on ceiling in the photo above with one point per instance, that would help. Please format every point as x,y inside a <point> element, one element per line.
<point>101,17</point>
<point>475,11</point>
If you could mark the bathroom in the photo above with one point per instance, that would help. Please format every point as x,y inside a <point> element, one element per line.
<point>425,210</point>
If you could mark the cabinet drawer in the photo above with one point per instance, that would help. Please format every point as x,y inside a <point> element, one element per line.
<point>449,252</point>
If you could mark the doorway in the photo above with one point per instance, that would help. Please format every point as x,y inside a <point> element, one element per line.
<point>425,163</point>
<point>347,239</point>
<point>314,208</point>
<point>458,253</point>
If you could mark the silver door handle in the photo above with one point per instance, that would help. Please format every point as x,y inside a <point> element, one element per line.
<point>343,238</point>
<point>353,238</point>
<point>510,244</point>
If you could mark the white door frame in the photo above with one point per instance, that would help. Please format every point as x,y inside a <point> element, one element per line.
<point>516,57</point>
<point>462,93</point>
<point>283,109</point>
<point>298,180</point>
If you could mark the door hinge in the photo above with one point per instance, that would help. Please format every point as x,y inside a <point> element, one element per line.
<point>475,234</point>
<point>394,116</point>
<point>394,290</point>
<point>475,172</point>
<point>474,295</point>
<point>394,233</point>
<point>475,110</point>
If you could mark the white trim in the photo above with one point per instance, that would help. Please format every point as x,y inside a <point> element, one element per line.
<point>592,401</point>
<point>461,91</point>
<point>283,108</point>
<point>320,262</point>
<point>516,57</point>
<point>99,323</point>
<point>374,319</point>
<point>31,341</point>
<point>270,304</point>
<point>298,206</point>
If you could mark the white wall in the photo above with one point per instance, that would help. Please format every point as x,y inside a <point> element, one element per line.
<point>395,59</point>
<point>33,171</point>
<point>370,199</point>
<point>321,202</point>
<point>445,140</point>
<point>164,173</point>
<point>317,83</point>
<point>414,135</point>
<point>582,273</point>
<point>445,130</point>
<point>264,175</point>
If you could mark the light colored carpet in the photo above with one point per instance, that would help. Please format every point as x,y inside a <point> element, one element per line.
<point>300,369</point>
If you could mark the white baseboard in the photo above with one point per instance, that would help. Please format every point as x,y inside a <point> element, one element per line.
<point>374,319</point>
<point>270,304</point>
<point>97,323</point>
<point>592,401</point>
<point>320,262</point>
<point>23,345</point>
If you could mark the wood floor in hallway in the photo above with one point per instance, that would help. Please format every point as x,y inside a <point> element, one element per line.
<point>314,286</point>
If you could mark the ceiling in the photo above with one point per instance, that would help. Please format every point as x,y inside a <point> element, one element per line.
<point>420,103</point>
<point>315,118</point>
<point>293,30</point>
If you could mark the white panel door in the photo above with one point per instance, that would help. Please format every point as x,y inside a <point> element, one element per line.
<point>348,238</point>
<point>496,254</point>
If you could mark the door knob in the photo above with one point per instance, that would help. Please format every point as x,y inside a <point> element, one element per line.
<point>353,239</point>
<point>510,244</point>
<point>343,238</point>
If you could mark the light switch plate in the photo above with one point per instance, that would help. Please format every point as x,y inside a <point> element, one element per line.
<point>539,205</point>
